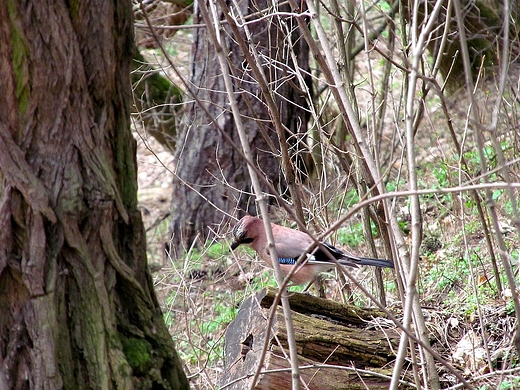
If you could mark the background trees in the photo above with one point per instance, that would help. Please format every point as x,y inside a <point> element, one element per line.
<point>209,173</point>
<point>77,305</point>
<point>414,116</point>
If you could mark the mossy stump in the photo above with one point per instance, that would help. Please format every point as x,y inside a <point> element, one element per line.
<point>338,345</point>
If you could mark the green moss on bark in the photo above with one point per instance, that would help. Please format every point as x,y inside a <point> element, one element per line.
<point>138,354</point>
<point>20,55</point>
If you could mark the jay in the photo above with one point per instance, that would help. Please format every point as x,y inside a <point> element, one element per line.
<point>290,245</point>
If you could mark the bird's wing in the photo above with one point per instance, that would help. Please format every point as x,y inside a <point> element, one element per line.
<point>290,243</point>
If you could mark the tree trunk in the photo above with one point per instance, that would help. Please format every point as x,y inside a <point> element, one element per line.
<point>336,350</point>
<point>211,176</point>
<point>77,306</point>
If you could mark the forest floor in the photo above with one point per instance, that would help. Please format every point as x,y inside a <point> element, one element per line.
<point>469,326</point>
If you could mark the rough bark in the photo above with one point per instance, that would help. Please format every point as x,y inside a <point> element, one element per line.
<point>77,306</point>
<point>212,177</point>
<point>326,333</point>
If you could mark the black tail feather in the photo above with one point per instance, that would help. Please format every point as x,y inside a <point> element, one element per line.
<point>376,262</point>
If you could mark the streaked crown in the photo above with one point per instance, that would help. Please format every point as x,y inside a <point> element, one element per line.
<point>239,230</point>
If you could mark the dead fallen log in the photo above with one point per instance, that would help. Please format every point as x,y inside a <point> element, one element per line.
<point>338,345</point>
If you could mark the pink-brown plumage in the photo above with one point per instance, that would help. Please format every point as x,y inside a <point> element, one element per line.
<point>290,244</point>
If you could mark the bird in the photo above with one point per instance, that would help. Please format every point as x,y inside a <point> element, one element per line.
<point>290,244</point>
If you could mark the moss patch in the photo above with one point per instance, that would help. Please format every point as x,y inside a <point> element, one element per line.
<point>138,354</point>
<point>20,58</point>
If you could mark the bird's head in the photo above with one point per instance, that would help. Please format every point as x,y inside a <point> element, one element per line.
<point>242,231</point>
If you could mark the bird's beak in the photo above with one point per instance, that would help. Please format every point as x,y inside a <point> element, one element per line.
<point>234,245</point>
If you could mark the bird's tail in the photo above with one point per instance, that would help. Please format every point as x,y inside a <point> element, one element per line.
<point>376,262</point>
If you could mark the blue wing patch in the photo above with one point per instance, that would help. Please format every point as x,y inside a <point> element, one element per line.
<point>287,260</point>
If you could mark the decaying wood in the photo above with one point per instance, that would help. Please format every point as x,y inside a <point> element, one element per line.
<point>338,346</point>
